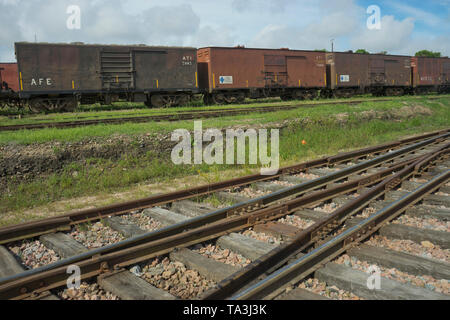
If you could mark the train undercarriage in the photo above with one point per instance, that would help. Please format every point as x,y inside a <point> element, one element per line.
<point>68,103</point>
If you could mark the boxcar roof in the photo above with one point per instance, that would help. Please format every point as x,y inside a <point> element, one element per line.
<point>274,49</point>
<point>100,45</point>
<point>287,49</point>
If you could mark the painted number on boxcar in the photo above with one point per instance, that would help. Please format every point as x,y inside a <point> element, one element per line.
<point>345,78</point>
<point>226,80</point>
<point>187,61</point>
<point>41,82</point>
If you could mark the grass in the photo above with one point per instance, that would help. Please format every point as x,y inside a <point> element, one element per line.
<point>319,112</point>
<point>128,109</point>
<point>323,135</point>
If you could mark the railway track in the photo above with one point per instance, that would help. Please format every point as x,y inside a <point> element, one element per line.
<point>200,114</point>
<point>277,208</point>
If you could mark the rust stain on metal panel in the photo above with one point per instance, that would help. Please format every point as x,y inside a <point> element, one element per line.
<point>10,75</point>
<point>260,68</point>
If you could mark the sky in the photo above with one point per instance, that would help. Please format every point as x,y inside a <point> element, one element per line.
<point>405,26</point>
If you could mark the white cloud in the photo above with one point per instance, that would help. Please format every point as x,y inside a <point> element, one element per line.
<point>299,24</point>
<point>339,18</point>
<point>419,14</point>
<point>394,35</point>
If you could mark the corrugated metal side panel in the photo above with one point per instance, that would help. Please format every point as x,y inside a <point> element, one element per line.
<point>397,70</point>
<point>306,69</point>
<point>246,67</point>
<point>428,71</point>
<point>233,68</point>
<point>58,68</point>
<point>10,75</point>
<point>348,70</point>
<point>168,69</point>
<point>445,67</point>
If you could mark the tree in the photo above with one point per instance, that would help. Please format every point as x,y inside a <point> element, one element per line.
<point>362,51</point>
<point>427,53</point>
<point>382,52</point>
<point>321,50</point>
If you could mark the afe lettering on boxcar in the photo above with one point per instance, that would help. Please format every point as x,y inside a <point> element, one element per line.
<point>41,82</point>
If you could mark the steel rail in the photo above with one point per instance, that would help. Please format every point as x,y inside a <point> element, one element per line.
<point>194,114</point>
<point>21,286</point>
<point>323,194</point>
<point>66,221</point>
<point>294,272</point>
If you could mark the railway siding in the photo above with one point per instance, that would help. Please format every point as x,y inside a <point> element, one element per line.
<point>205,268</point>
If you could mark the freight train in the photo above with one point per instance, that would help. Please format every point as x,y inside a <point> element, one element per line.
<point>59,76</point>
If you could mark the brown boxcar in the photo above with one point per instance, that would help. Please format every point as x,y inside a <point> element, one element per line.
<point>430,74</point>
<point>68,72</point>
<point>230,74</point>
<point>347,73</point>
<point>380,74</point>
<point>9,76</point>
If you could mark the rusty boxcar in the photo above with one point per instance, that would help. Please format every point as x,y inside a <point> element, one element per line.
<point>430,74</point>
<point>9,76</point>
<point>57,76</point>
<point>349,73</point>
<point>9,85</point>
<point>229,75</point>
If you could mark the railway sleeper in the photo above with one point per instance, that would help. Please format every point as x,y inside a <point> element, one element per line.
<point>402,261</point>
<point>356,281</point>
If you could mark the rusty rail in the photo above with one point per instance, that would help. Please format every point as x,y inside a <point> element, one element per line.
<point>274,283</point>
<point>142,248</point>
<point>66,221</point>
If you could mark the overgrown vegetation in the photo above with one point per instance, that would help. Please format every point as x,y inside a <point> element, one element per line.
<point>80,133</point>
<point>323,135</point>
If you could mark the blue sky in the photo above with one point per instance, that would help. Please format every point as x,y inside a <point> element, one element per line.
<point>406,26</point>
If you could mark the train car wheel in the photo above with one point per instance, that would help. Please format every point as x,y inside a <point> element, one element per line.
<point>241,97</point>
<point>158,101</point>
<point>218,98</point>
<point>183,99</point>
<point>207,99</point>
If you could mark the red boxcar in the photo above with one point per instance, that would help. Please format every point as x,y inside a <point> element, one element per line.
<point>10,76</point>
<point>430,74</point>
<point>231,74</point>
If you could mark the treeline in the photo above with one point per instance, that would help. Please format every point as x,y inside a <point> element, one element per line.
<point>421,53</point>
